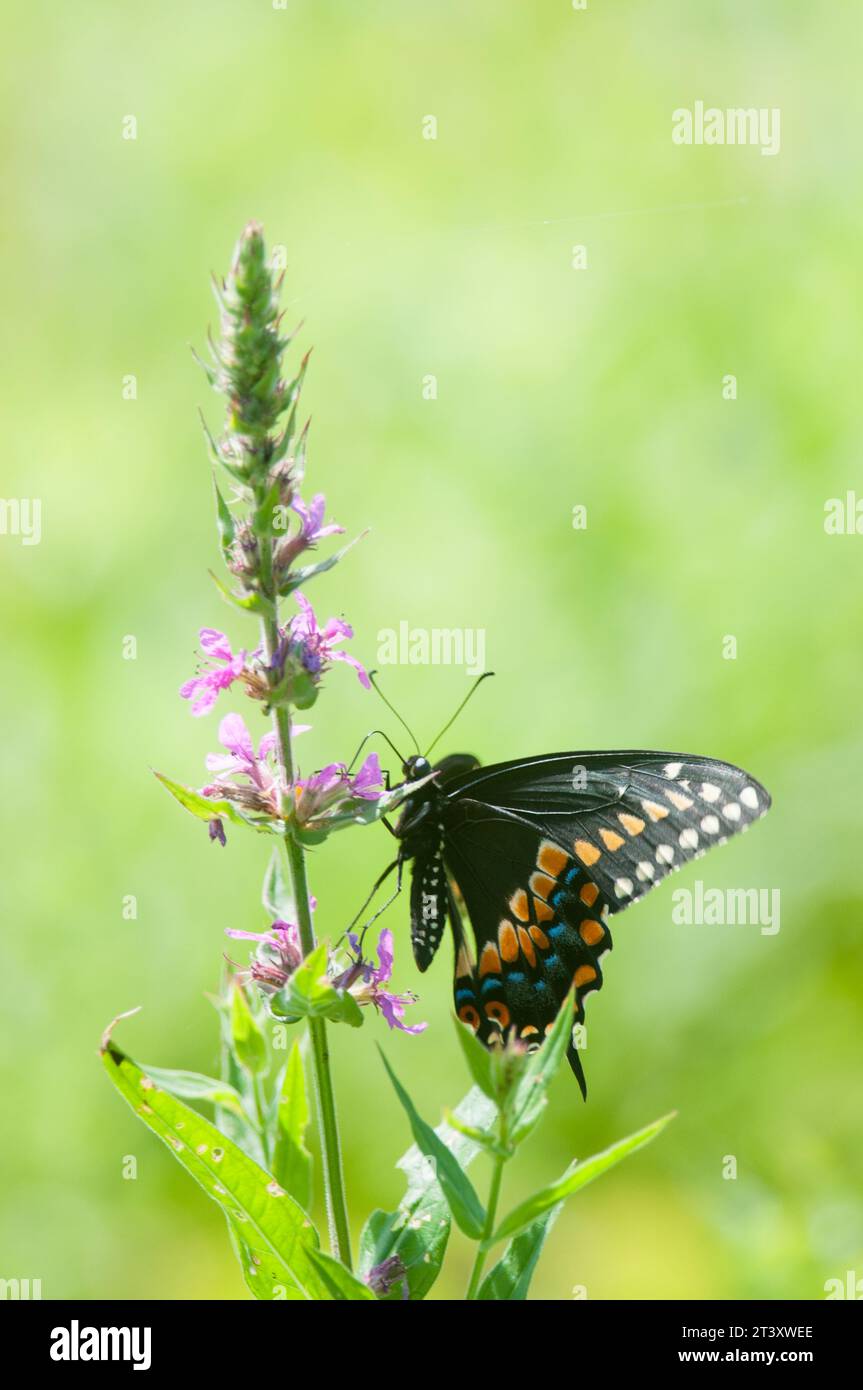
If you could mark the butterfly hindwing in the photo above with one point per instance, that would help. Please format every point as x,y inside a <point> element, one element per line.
<point>539,923</point>
<point>544,851</point>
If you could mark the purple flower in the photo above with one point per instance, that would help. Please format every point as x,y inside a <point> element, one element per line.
<point>330,791</point>
<point>315,647</point>
<point>311,530</point>
<point>203,689</point>
<point>368,782</point>
<point>241,756</point>
<point>260,772</point>
<point>278,956</point>
<point>311,517</point>
<point>217,830</point>
<point>365,982</point>
<point>383,1277</point>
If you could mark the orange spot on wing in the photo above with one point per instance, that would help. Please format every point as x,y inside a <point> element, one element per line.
<point>655,811</point>
<point>584,975</point>
<point>528,1030</point>
<point>542,885</point>
<point>489,961</point>
<point>591,931</point>
<point>587,853</point>
<point>677,799</point>
<point>633,825</point>
<point>518,906</point>
<point>527,946</point>
<point>552,859</point>
<point>543,912</point>
<point>539,937</point>
<point>498,1013</point>
<point>468,1014</point>
<point>507,941</point>
<point>589,894</point>
<point>611,839</point>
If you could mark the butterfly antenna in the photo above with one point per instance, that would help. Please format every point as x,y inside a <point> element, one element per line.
<point>393,710</point>
<point>448,725</point>
<point>375,733</point>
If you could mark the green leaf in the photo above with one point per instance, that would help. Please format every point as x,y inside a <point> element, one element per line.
<point>263,1278</point>
<point>478,1059</point>
<point>467,1210</point>
<point>484,1138</point>
<point>296,579</point>
<point>310,994</point>
<point>576,1176</point>
<point>303,690</point>
<point>277,894</point>
<point>510,1278</point>
<point>276,1232</point>
<point>341,1283</point>
<point>529,1098</point>
<point>265,511</point>
<point>206,808</point>
<point>191,1085</point>
<point>418,1232</point>
<point>310,981</point>
<point>241,1130</point>
<point>247,603</point>
<point>225,522</point>
<point>292,1162</point>
<point>210,372</point>
<point>250,1045</point>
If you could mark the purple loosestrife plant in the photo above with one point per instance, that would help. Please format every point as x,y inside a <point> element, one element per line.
<point>251,1158</point>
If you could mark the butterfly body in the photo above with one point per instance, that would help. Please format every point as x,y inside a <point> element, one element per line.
<point>541,853</point>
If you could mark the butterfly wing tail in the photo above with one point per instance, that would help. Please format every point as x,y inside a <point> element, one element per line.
<point>577,1069</point>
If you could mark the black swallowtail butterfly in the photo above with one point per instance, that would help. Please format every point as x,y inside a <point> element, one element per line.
<point>541,852</point>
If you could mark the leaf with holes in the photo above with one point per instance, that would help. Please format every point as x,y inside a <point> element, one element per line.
<point>417,1233</point>
<point>276,1233</point>
<point>467,1210</point>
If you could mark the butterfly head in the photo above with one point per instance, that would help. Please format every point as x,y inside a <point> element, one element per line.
<point>416,767</point>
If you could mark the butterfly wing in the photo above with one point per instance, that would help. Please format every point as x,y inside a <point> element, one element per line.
<point>528,951</point>
<point>544,851</point>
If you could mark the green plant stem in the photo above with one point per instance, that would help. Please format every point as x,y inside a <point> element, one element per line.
<point>325,1102</point>
<point>488,1230</point>
<point>328,1128</point>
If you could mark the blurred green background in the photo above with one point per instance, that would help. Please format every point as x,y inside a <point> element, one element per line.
<point>555,387</point>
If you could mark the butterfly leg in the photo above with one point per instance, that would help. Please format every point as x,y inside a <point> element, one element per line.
<point>375,886</point>
<point>390,899</point>
<point>396,863</point>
